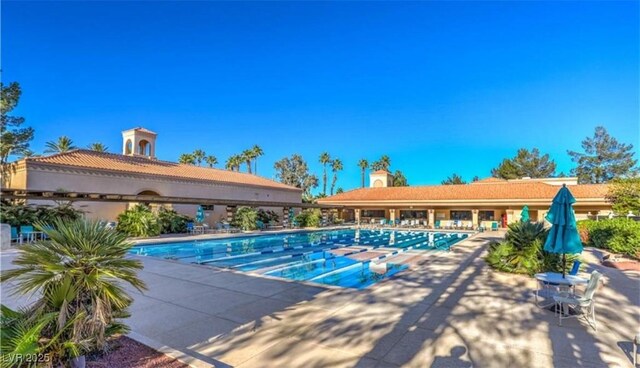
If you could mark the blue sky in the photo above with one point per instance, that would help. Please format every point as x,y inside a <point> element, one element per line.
<point>440,87</point>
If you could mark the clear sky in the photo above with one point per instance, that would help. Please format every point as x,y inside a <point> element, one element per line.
<point>440,87</point>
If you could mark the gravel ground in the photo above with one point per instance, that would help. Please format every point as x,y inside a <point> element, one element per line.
<point>128,353</point>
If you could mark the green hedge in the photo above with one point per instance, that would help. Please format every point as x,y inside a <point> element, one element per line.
<point>140,221</point>
<point>618,235</point>
<point>309,218</point>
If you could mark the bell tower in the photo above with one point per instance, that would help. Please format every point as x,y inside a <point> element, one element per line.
<point>139,142</point>
<point>380,179</point>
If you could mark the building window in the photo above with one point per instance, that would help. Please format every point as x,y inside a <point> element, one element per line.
<point>413,214</point>
<point>207,207</point>
<point>486,215</point>
<point>461,215</point>
<point>373,213</point>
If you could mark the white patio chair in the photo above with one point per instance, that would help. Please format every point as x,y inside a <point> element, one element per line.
<point>584,304</point>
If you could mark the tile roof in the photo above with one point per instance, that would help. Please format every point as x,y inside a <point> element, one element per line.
<point>489,180</point>
<point>381,172</point>
<point>496,191</point>
<point>141,129</point>
<point>88,159</point>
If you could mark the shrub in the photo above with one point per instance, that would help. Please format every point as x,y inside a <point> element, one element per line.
<point>76,277</point>
<point>522,251</point>
<point>138,221</point>
<point>23,214</point>
<point>245,218</point>
<point>618,235</point>
<point>267,217</point>
<point>172,222</point>
<point>309,218</point>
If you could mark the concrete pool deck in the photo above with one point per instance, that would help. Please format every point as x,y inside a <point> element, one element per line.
<point>449,310</point>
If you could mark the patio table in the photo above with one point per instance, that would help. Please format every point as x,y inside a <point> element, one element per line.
<point>555,279</point>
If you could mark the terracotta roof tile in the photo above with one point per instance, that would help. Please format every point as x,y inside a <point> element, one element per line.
<point>381,172</point>
<point>141,165</point>
<point>500,190</point>
<point>489,180</point>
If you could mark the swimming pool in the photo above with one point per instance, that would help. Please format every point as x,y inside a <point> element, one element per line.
<point>354,258</point>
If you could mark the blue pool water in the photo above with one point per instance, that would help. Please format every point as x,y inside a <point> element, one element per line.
<point>307,256</point>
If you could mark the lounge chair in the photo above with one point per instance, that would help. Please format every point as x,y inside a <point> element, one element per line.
<point>190,229</point>
<point>494,226</point>
<point>437,224</point>
<point>584,302</point>
<point>15,236</point>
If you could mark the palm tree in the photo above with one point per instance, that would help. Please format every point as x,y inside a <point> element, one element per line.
<point>324,160</point>
<point>247,157</point>
<point>98,147</point>
<point>257,152</point>
<point>211,160</point>
<point>63,144</point>
<point>187,159</point>
<point>199,155</point>
<point>336,166</point>
<point>76,277</point>
<point>233,162</point>
<point>363,164</point>
<point>382,164</point>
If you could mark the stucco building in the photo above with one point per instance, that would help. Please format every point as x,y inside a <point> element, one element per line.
<point>138,172</point>
<point>490,199</point>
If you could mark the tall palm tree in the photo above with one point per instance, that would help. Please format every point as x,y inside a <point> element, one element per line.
<point>76,275</point>
<point>211,160</point>
<point>247,156</point>
<point>187,159</point>
<point>363,164</point>
<point>63,144</point>
<point>257,152</point>
<point>233,162</point>
<point>324,160</point>
<point>336,165</point>
<point>199,156</point>
<point>98,147</point>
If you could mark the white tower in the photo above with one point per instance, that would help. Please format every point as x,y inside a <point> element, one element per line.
<point>139,142</point>
<point>380,179</point>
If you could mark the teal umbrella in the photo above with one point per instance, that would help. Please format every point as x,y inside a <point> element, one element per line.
<point>563,236</point>
<point>200,214</point>
<point>524,216</point>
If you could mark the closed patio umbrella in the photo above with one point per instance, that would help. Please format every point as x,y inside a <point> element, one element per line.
<point>200,214</point>
<point>563,236</point>
<point>524,216</point>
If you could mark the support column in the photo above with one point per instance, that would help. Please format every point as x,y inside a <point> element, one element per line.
<point>357,213</point>
<point>431,213</point>
<point>392,215</point>
<point>231,210</point>
<point>474,218</point>
<point>285,217</point>
<point>325,217</point>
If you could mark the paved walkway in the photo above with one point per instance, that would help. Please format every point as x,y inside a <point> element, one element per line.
<point>448,310</point>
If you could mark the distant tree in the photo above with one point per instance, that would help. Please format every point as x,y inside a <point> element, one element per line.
<point>475,178</point>
<point>29,153</point>
<point>624,195</point>
<point>187,159</point>
<point>453,179</point>
<point>14,140</point>
<point>339,190</point>
<point>295,172</point>
<point>562,175</point>
<point>63,144</point>
<point>199,156</point>
<point>324,160</point>
<point>382,164</point>
<point>399,180</point>
<point>363,165</point>
<point>336,165</point>
<point>604,158</point>
<point>233,162</point>
<point>247,157</point>
<point>211,160</point>
<point>525,163</point>
<point>98,147</point>
<point>257,152</point>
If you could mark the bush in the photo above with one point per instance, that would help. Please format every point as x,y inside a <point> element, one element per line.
<point>138,221</point>
<point>245,218</point>
<point>267,217</point>
<point>22,214</point>
<point>523,251</point>
<point>76,277</point>
<point>172,222</point>
<point>309,218</point>
<point>618,235</point>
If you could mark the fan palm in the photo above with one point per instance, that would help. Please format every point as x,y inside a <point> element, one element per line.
<point>336,165</point>
<point>363,164</point>
<point>233,162</point>
<point>187,159</point>
<point>211,160</point>
<point>98,147</point>
<point>257,152</point>
<point>77,273</point>
<point>247,156</point>
<point>324,160</point>
<point>199,156</point>
<point>63,144</point>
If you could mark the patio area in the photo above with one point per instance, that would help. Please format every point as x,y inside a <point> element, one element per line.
<point>449,310</point>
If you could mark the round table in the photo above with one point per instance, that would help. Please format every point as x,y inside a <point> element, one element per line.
<point>555,279</point>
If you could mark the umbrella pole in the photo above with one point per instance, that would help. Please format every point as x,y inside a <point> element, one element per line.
<point>564,262</point>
